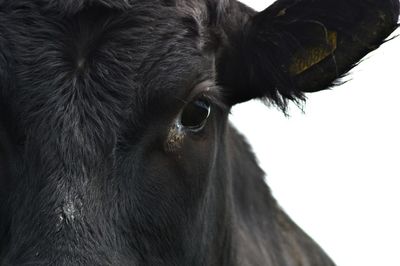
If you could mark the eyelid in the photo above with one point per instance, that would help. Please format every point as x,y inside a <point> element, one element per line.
<point>209,91</point>
<point>215,100</point>
<point>201,88</point>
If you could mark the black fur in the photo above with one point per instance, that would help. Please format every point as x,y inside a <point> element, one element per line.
<point>94,169</point>
<point>74,6</point>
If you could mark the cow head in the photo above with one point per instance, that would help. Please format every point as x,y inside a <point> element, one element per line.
<point>114,141</point>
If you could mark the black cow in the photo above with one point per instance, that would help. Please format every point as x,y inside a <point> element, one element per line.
<point>115,147</point>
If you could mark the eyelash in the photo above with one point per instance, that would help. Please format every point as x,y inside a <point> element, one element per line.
<point>213,97</point>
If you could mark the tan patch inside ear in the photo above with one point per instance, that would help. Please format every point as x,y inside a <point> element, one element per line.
<point>312,56</point>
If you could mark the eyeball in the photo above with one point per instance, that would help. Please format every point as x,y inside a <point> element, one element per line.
<point>195,115</point>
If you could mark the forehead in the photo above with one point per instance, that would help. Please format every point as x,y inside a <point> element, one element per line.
<point>151,51</point>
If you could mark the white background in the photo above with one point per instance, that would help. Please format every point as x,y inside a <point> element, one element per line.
<point>336,168</point>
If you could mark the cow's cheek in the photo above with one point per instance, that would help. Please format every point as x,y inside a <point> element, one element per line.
<point>191,155</point>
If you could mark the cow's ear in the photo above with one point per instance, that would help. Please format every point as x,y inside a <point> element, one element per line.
<point>298,46</point>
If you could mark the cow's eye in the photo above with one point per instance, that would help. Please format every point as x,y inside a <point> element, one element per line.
<point>195,114</point>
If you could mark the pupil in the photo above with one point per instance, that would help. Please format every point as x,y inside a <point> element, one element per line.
<point>195,114</point>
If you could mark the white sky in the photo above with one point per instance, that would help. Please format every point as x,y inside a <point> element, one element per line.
<point>336,168</point>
